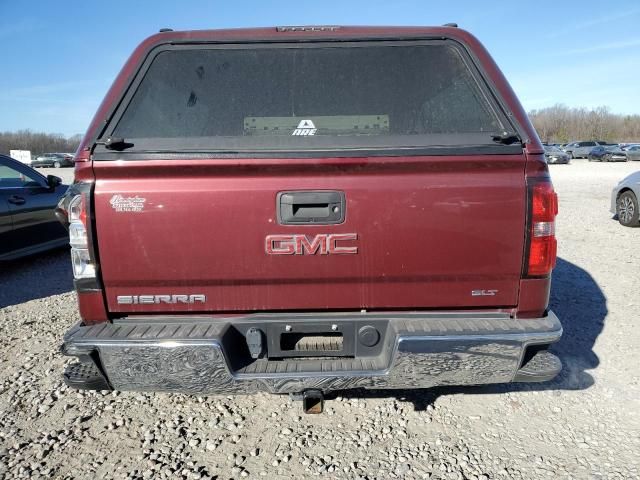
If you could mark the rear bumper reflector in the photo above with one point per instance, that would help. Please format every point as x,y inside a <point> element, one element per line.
<point>415,350</point>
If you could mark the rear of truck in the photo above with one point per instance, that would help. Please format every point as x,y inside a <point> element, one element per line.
<point>311,209</point>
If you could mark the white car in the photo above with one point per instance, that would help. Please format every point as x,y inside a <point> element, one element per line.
<point>624,200</point>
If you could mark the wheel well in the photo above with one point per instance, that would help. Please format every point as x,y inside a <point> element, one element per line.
<point>625,189</point>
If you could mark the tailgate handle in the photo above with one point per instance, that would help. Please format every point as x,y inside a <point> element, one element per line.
<point>318,207</point>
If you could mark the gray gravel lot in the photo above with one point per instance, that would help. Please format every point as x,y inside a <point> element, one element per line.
<point>582,425</point>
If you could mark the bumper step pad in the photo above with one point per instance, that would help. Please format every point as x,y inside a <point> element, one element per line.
<point>542,367</point>
<point>85,376</point>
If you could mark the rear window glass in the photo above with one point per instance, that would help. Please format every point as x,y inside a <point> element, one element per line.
<point>290,97</point>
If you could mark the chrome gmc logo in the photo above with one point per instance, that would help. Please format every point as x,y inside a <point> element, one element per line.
<point>324,244</point>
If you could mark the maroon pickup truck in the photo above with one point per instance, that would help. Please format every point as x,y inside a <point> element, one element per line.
<point>305,209</point>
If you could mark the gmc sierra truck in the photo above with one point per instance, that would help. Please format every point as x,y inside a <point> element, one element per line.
<point>305,209</point>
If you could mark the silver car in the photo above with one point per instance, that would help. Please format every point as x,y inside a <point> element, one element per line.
<point>624,200</point>
<point>633,152</point>
<point>580,149</point>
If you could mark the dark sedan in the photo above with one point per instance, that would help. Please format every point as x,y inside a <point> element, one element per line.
<point>554,155</point>
<point>615,154</point>
<point>608,153</point>
<point>55,160</point>
<point>28,224</point>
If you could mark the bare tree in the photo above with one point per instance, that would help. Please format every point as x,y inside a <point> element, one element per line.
<point>556,124</point>
<point>38,142</point>
<point>561,124</point>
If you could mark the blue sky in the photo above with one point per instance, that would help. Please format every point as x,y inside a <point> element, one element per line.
<point>59,58</point>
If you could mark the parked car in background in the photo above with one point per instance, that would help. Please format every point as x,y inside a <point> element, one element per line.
<point>608,153</point>
<point>55,160</point>
<point>624,200</point>
<point>633,152</point>
<point>597,153</point>
<point>28,223</point>
<point>554,155</point>
<point>580,149</point>
<point>615,154</point>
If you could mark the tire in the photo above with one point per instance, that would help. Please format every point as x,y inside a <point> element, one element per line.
<point>56,164</point>
<point>628,210</point>
<point>571,155</point>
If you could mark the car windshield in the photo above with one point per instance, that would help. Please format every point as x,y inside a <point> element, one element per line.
<point>552,148</point>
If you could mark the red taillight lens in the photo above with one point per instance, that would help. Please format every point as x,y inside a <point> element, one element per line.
<point>544,202</point>
<point>542,239</point>
<point>542,256</point>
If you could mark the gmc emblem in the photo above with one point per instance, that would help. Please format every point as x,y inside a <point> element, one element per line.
<point>324,244</point>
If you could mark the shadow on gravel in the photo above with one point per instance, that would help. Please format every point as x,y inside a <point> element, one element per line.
<point>581,307</point>
<point>34,277</point>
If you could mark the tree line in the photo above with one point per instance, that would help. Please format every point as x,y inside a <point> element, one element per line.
<point>556,124</point>
<point>38,142</point>
<point>561,124</point>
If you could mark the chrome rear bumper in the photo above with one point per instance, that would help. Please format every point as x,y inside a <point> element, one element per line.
<point>416,350</point>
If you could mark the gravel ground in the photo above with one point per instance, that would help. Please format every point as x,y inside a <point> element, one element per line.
<point>582,425</point>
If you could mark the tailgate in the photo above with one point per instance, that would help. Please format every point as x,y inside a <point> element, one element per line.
<point>421,232</point>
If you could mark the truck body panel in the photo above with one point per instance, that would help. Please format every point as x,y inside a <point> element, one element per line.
<point>316,208</point>
<point>430,231</point>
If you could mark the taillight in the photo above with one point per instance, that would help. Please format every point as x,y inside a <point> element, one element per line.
<point>543,208</point>
<point>73,211</point>
<point>83,267</point>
